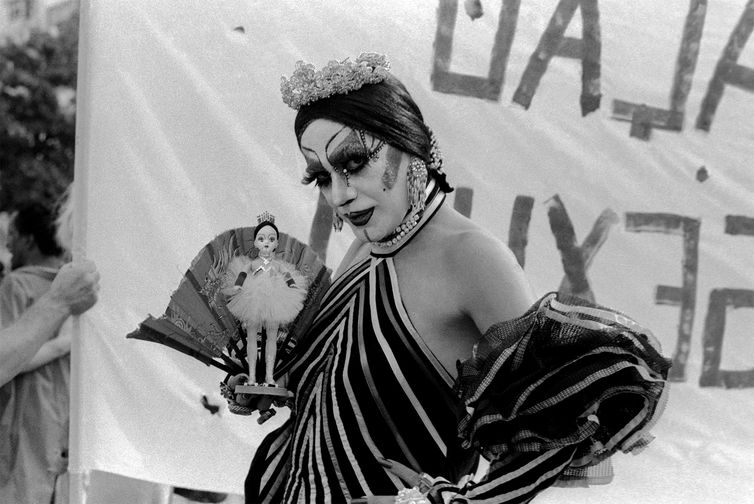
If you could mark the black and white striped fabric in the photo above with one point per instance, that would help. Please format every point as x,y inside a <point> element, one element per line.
<point>367,387</point>
<point>552,394</point>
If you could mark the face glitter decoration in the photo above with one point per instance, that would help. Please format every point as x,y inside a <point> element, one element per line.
<point>347,151</point>
<point>392,163</point>
<point>350,167</point>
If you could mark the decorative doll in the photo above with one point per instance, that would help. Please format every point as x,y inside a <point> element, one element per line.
<point>264,292</point>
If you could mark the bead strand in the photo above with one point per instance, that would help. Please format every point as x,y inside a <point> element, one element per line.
<point>401,231</point>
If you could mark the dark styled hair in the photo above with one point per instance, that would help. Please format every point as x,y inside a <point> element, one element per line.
<point>263,224</point>
<point>385,110</point>
<point>38,221</point>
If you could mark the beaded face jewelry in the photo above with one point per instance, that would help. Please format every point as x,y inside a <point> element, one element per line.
<point>337,220</point>
<point>371,154</point>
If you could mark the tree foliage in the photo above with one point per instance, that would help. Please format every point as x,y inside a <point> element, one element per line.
<point>37,115</point>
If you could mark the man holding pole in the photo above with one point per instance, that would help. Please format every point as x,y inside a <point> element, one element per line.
<point>34,404</point>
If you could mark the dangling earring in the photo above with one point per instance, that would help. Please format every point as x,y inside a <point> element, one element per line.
<point>435,156</point>
<point>337,221</point>
<point>417,182</point>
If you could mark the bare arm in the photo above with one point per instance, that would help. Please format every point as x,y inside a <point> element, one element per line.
<point>73,291</point>
<point>20,341</point>
<point>55,348</point>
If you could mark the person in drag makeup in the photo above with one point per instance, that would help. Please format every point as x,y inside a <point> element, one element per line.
<point>429,349</point>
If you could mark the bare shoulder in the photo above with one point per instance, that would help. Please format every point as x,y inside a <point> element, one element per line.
<point>491,286</point>
<point>462,240</point>
<point>477,254</point>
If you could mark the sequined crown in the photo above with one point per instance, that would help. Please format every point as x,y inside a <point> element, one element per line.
<point>307,85</point>
<point>265,217</point>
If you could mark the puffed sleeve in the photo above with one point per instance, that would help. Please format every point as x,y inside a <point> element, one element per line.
<point>551,395</point>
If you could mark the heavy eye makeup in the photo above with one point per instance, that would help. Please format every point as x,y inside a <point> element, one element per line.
<point>316,173</point>
<point>349,159</point>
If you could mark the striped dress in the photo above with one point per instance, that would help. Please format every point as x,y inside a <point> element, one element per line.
<point>367,387</point>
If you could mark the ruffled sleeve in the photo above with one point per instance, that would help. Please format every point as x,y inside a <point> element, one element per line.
<point>551,395</point>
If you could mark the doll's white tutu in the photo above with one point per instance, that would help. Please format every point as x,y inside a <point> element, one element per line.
<point>267,296</point>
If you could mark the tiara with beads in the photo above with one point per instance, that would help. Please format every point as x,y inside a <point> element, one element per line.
<point>265,217</point>
<point>307,85</point>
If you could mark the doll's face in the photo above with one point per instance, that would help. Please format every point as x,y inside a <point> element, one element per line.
<point>360,176</point>
<point>266,241</point>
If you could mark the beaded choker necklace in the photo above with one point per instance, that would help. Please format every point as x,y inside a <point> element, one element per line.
<point>401,231</point>
<point>409,223</point>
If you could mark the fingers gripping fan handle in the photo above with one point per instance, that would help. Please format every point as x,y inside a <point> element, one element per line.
<point>197,321</point>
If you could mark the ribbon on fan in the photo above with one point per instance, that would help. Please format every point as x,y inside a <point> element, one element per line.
<point>197,321</point>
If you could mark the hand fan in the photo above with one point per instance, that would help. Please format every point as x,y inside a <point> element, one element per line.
<point>197,321</point>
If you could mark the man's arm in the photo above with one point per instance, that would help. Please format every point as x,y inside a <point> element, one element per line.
<point>73,291</point>
<point>55,348</point>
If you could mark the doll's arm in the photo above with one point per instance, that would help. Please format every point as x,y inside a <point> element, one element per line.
<point>240,279</point>
<point>289,281</point>
<point>237,272</point>
<point>285,269</point>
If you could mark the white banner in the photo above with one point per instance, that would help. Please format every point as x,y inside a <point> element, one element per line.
<point>612,141</point>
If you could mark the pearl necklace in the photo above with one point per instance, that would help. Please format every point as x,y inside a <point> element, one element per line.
<point>409,223</point>
<point>401,231</point>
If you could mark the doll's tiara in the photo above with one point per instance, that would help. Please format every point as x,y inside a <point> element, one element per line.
<point>265,217</point>
<point>307,85</point>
